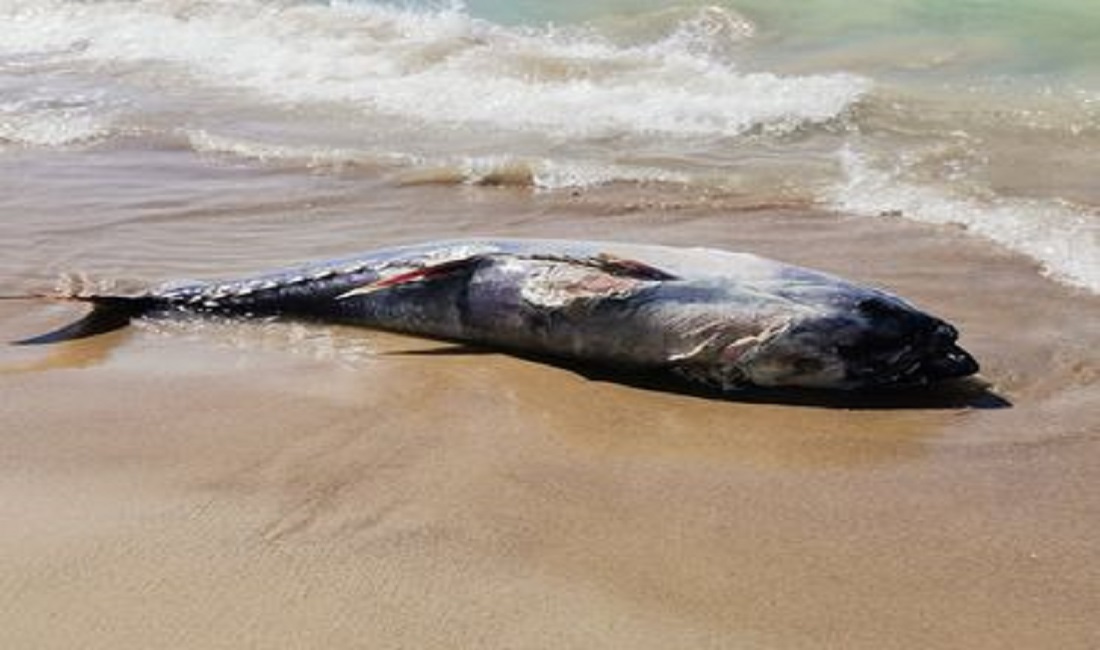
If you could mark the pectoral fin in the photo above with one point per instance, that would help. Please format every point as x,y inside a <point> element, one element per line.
<point>424,274</point>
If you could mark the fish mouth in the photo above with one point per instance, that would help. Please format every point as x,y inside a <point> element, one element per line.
<point>917,350</point>
<point>948,364</point>
<point>912,367</point>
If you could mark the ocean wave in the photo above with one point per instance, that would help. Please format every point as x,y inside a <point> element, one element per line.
<point>435,95</point>
<point>540,174</point>
<point>312,157</point>
<point>495,170</point>
<point>1063,238</point>
<point>439,68</point>
<point>50,122</point>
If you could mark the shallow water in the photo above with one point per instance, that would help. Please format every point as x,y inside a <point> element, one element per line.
<point>976,114</point>
<point>268,482</point>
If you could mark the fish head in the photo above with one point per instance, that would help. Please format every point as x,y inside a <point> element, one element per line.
<point>872,341</point>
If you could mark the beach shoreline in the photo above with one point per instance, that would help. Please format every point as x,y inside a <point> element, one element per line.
<point>217,483</point>
<point>292,485</point>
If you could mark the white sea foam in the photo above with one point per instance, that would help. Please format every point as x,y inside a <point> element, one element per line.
<point>535,172</point>
<point>43,121</point>
<point>55,129</point>
<point>1064,239</point>
<point>437,67</point>
<point>309,156</point>
<point>440,96</point>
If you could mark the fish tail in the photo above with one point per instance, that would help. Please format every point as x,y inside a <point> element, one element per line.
<point>109,313</point>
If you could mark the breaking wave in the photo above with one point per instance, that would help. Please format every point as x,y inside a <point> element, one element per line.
<point>504,170</point>
<point>439,67</point>
<point>436,95</point>
<point>1062,237</point>
<point>44,120</point>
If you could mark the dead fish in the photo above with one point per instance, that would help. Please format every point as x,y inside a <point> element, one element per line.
<point>724,319</point>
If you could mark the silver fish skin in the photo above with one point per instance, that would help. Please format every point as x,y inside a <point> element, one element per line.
<point>724,319</point>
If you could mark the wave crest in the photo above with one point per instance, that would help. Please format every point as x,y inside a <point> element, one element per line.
<point>443,68</point>
<point>1062,237</point>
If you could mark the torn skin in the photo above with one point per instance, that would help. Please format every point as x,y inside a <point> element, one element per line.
<point>611,265</point>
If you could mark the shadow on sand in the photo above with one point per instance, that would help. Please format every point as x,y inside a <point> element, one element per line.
<point>970,392</point>
<point>952,394</point>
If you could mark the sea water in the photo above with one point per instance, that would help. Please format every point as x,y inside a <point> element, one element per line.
<point>981,114</point>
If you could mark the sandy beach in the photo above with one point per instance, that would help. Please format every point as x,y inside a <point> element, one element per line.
<point>287,486</point>
<point>218,484</point>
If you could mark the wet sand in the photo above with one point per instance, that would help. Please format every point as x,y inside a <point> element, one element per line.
<point>291,486</point>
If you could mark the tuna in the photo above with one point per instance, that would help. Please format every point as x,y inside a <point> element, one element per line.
<point>727,320</point>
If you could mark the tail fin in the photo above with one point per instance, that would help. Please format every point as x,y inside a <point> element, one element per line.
<point>108,314</point>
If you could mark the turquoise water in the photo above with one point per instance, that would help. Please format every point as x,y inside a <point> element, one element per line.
<point>1055,37</point>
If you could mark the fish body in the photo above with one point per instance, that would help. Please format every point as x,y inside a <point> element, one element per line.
<point>725,319</point>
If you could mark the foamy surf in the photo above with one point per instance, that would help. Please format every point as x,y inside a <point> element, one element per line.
<point>506,170</point>
<point>1062,238</point>
<point>41,118</point>
<point>436,67</point>
<point>435,95</point>
<point>49,127</point>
